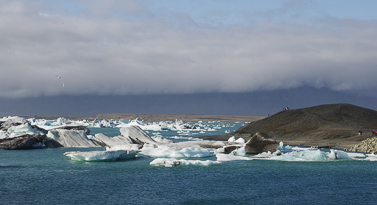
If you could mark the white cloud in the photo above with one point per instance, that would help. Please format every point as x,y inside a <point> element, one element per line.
<point>102,53</point>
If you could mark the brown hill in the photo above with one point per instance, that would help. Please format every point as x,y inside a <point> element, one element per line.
<point>324,125</point>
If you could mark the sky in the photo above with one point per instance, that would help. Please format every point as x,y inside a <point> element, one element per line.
<point>52,48</point>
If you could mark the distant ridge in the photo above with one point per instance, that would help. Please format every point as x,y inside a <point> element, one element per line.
<point>162,117</point>
<point>323,125</point>
<point>184,117</point>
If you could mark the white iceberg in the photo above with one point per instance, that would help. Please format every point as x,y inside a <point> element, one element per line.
<point>171,162</point>
<point>23,129</point>
<point>165,151</point>
<point>134,147</point>
<point>231,157</point>
<point>101,155</point>
<point>304,154</point>
<point>14,119</point>
<point>239,140</point>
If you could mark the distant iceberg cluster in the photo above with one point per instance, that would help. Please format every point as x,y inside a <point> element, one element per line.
<point>134,141</point>
<point>181,127</point>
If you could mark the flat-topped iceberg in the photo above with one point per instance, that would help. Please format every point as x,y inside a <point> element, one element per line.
<point>95,156</point>
<point>171,162</point>
<point>165,151</point>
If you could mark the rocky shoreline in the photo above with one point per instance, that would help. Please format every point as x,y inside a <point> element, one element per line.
<point>368,145</point>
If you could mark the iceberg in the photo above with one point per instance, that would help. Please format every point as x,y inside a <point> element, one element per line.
<point>304,154</point>
<point>171,162</point>
<point>23,129</point>
<point>134,147</point>
<point>111,141</point>
<point>70,138</point>
<point>167,152</point>
<point>231,157</point>
<point>95,156</point>
<point>239,140</point>
<point>131,136</point>
<point>14,120</point>
<point>136,135</point>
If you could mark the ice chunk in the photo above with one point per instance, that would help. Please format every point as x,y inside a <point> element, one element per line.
<point>371,157</point>
<point>311,155</point>
<point>70,138</point>
<point>240,140</point>
<point>281,146</point>
<point>164,151</point>
<point>231,157</point>
<point>123,147</point>
<point>14,119</point>
<point>136,134</point>
<point>186,138</point>
<point>111,141</point>
<point>23,129</point>
<point>220,150</point>
<point>165,162</point>
<point>232,139</point>
<point>301,154</point>
<point>171,162</point>
<point>332,155</point>
<point>3,134</point>
<point>342,154</point>
<point>240,151</point>
<point>356,155</point>
<point>162,140</point>
<point>101,155</point>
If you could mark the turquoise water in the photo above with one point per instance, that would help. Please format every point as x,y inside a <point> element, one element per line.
<point>46,176</point>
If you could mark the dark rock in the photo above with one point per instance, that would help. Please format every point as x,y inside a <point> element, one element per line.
<point>23,142</point>
<point>258,144</point>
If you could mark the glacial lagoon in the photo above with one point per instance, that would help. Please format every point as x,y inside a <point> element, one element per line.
<point>298,175</point>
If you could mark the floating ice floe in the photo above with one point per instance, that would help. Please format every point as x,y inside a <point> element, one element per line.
<point>231,157</point>
<point>304,154</point>
<point>186,138</point>
<point>95,156</point>
<point>171,162</point>
<point>133,147</point>
<point>165,151</point>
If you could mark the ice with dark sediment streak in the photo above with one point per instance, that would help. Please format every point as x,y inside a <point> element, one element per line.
<point>135,133</point>
<point>171,162</point>
<point>111,141</point>
<point>70,138</point>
